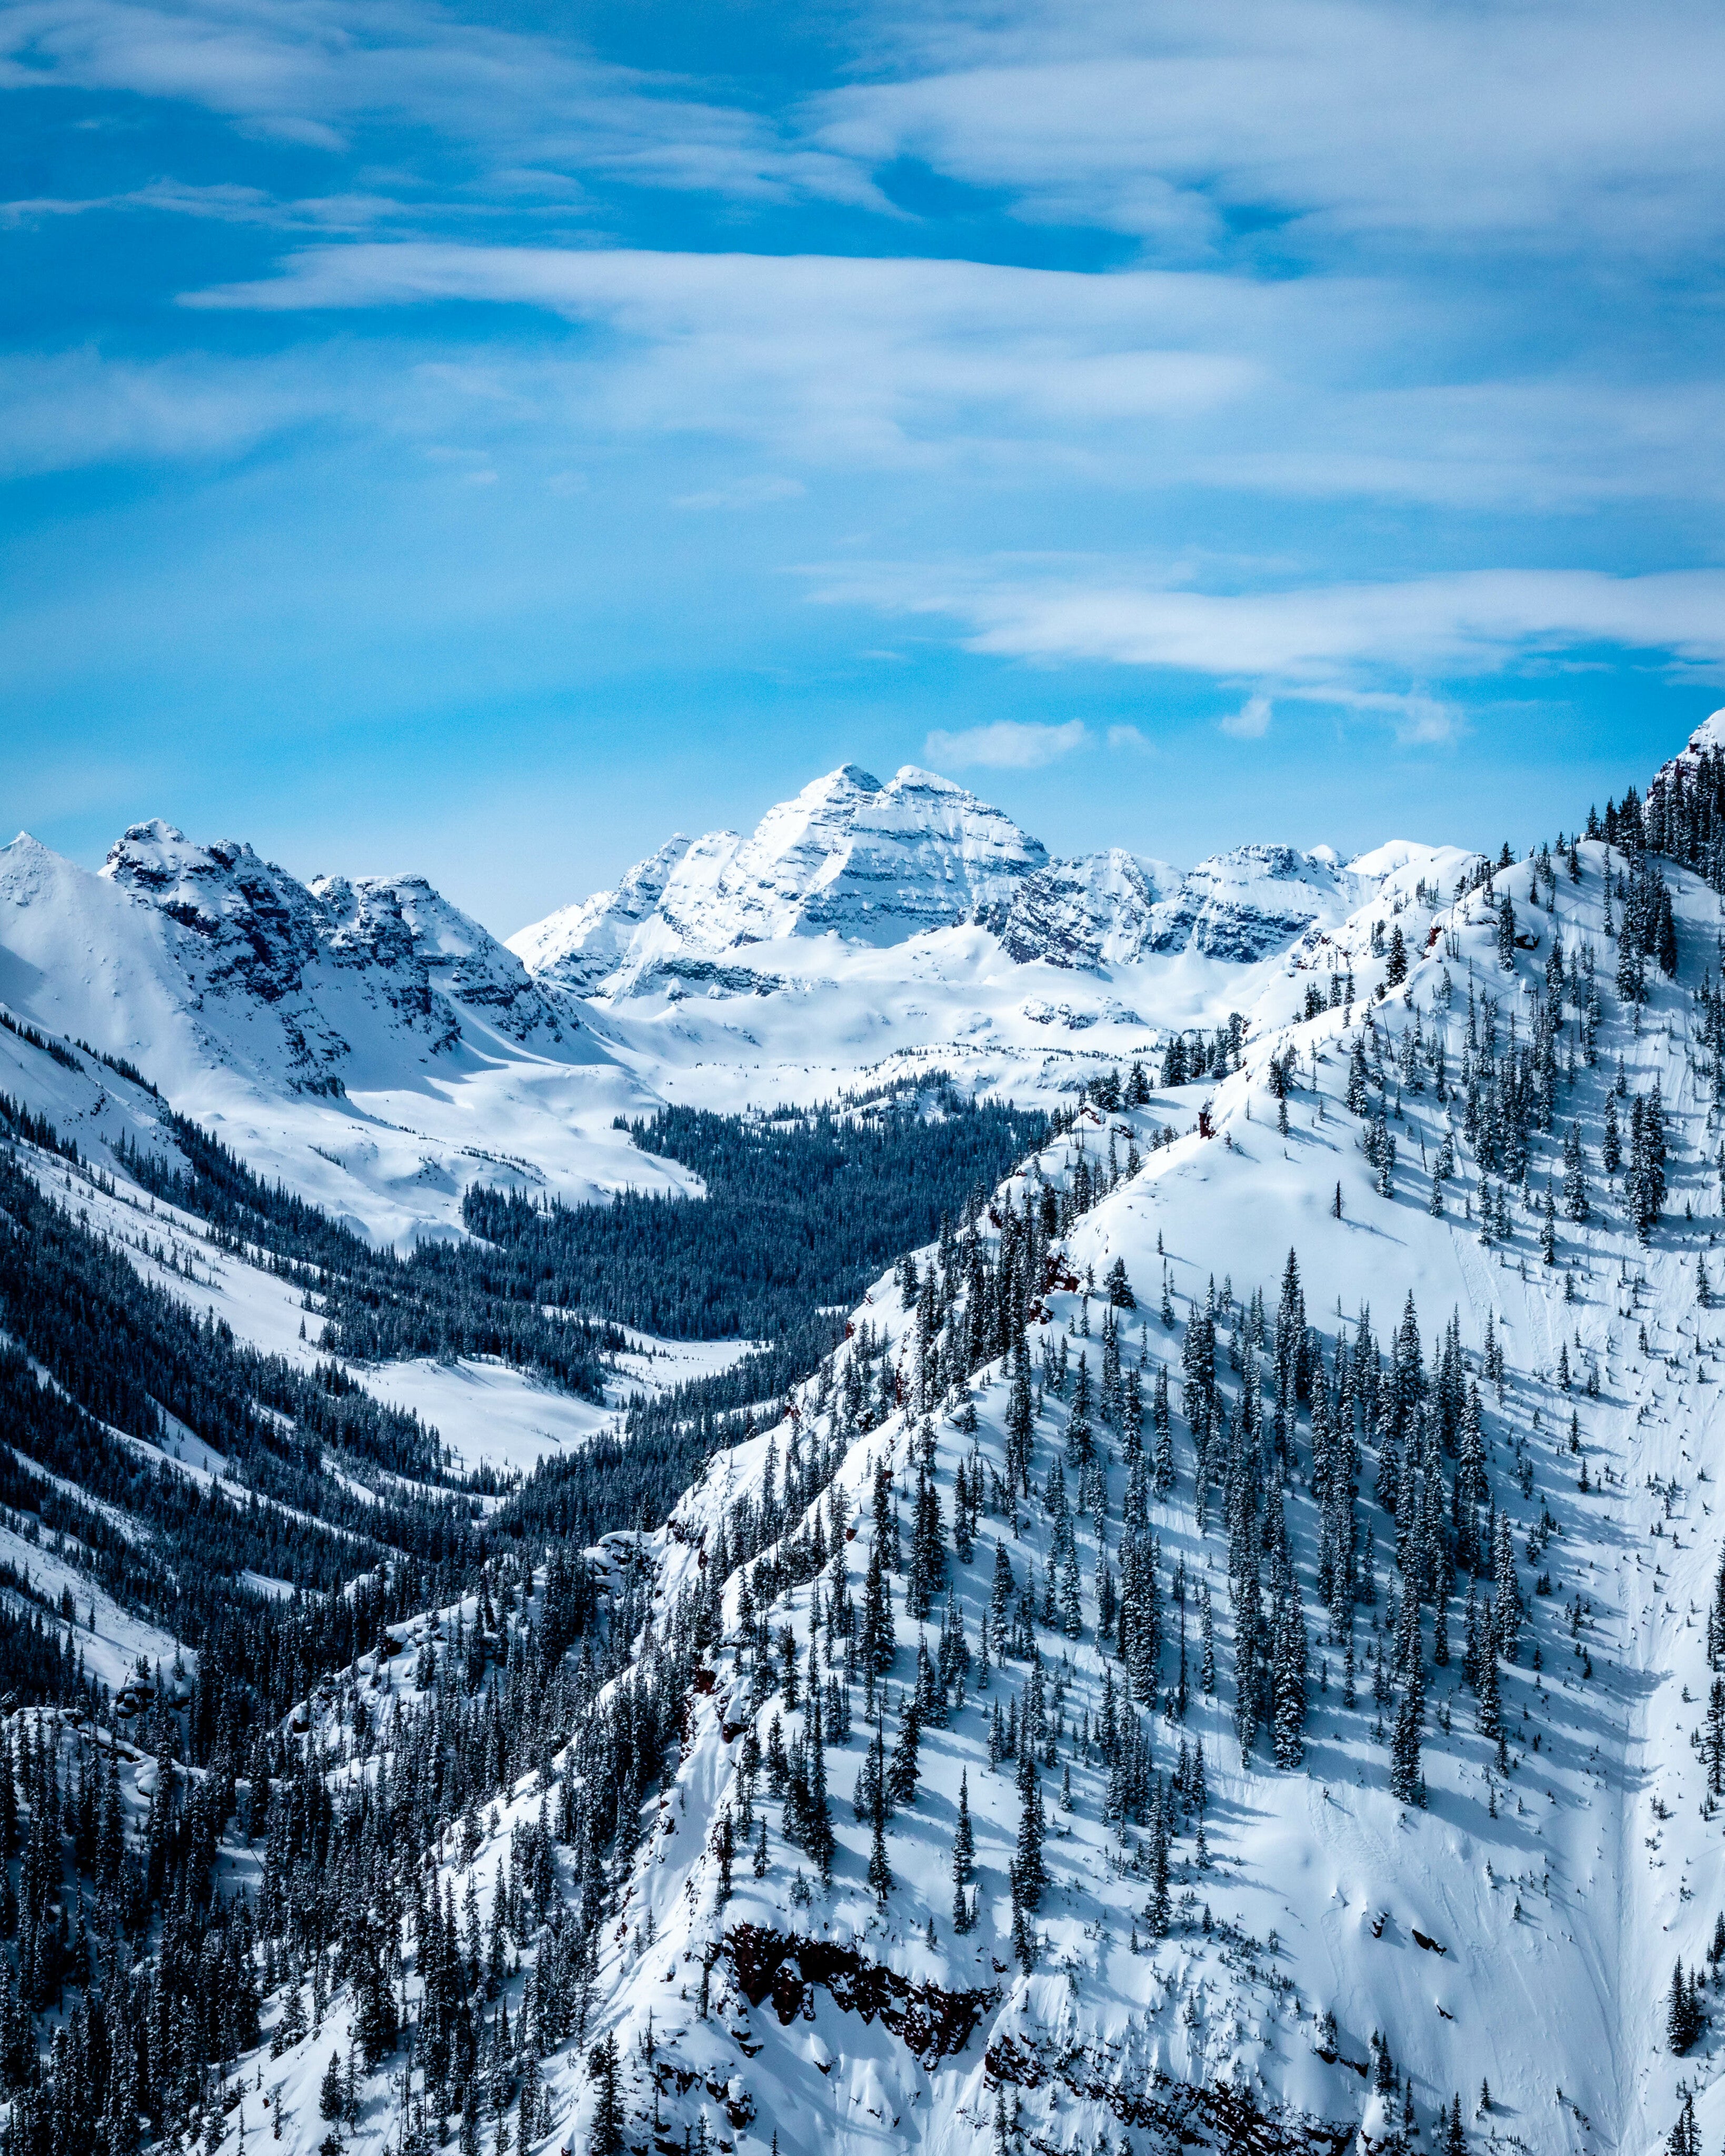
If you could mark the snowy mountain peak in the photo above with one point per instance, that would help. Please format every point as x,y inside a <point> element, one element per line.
<point>1710,733</point>
<point>1708,740</point>
<point>868,867</point>
<point>578,944</point>
<point>266,1004</point>
<point>1115,909</point>
<point>873,865</point>
<point>261,925</point>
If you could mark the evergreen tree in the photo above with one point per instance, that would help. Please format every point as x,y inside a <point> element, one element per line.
<point>964,1859</point>
<point>1577,1204</point>
<point>818,1838</point>
<point>1288,1684</point>
<point>1683,2019</point>
<point>1030,1874</point>
<point>1158,1909</point>
<point>901,1776</point>
<point>604,2136</point>
<point>1407,1784</point>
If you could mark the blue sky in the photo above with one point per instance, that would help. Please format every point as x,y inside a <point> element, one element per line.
<point>432,440</point>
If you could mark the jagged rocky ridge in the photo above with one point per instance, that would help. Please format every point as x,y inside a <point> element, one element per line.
<point>380,1051</point>
<point>1444,1571</point>
<point>876,865</point>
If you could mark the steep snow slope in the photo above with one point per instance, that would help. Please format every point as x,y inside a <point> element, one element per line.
<point>1555,1900</point>
<point>1336,1965</point>
<point>860,924</point>
<point>365,1041</point>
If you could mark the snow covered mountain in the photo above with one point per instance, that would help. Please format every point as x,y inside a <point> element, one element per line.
<point>1324,1763</point>
<point>365,1040</point>
<point>379,1050</point>
<point>875,866</point>
<point>1222,1654</point>
<point>1363,1933</point>
<point>848,857</point>
<point>864,929</point>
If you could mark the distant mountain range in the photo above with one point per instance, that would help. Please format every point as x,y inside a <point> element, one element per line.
<point>379,1050</point>
<point>874,865</point>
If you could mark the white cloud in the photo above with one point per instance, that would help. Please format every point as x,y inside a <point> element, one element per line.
<point>755,493</point>
<point>1250,722</point>
<point>318,72</point>
<point>846,359</point>
<point>1472,622</point>
<point>1130,738</point>
<point>1134,379</point>
<point>1006,745</point>
<point>1354,646</point>
<point>61,411</point>
<point>1548,128</point>
<point>1416,718</point>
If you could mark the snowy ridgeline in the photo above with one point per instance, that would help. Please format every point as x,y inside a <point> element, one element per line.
<point>1323,1759</point>
<point>1220,1656</point>
<point>381,1052</point>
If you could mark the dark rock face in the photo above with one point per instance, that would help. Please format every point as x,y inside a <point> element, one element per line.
<point>1224,2117</point>
<point>1082,914</point>
<point>933,2024</point>
<point>331,962</point>
<point>1115,909</point>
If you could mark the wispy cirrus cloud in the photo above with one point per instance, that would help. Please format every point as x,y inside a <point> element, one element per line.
<point>67,411</point>
<point>328,73</point>
<point>1131,379</point>
<point>1474,620</point>
<point>1353,645</point>
<point>851,360</point>
<point>219,202</point>
<point>1547,130</point>
<point>1008,745</point>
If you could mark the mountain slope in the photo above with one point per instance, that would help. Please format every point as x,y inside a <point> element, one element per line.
<point>364,1040</point>
<point>870,930</point>
<point>1518,1928</point>
<point>1278,1516</point>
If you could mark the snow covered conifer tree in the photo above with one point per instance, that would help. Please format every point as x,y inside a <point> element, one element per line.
<point>1288,1683</point>
<point>1406,1783</point>
<point>1030,1874</point>
<point>604,2136</point>
<point>1577,1204</point>
<point>1491,1712</point>
<point>902,1774</point>
<point>1020,1420</point>
<point>1683,2020</point>
<point>964,1859</point>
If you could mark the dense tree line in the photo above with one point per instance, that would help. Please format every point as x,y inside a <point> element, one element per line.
<point>802,1211</point>
<point>375,1306</point>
